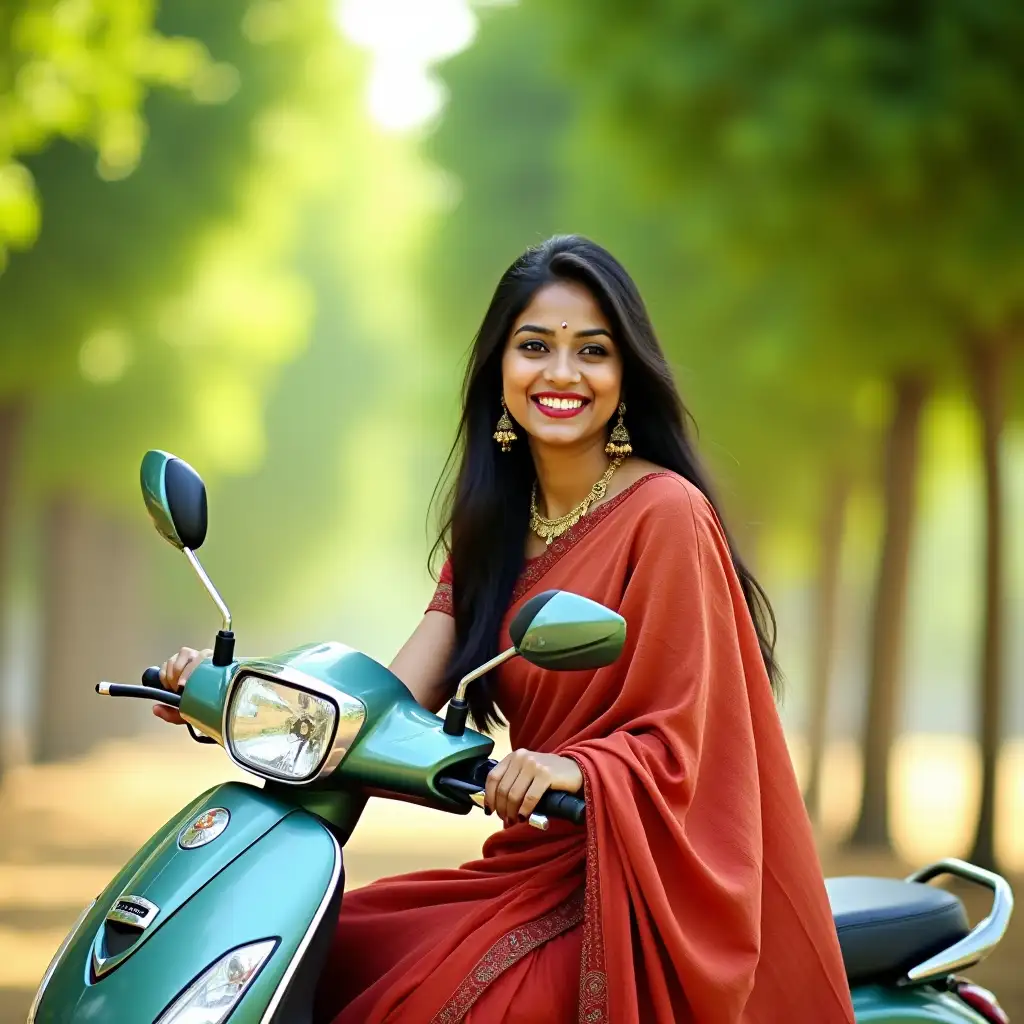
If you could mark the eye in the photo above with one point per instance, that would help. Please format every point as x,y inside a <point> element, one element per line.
<point>593,349</point>
<point>533,345</point>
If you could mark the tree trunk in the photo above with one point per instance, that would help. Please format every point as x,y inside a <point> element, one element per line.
<point>988,363</point>
<point>13,414</point>
<point>902,454</point>
<point>95,627</point>
<point>823,640</point>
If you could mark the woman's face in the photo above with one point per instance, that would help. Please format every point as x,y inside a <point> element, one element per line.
<point>561,370</point>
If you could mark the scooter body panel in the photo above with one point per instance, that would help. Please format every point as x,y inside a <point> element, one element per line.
<point>277,869</point>
<point>400,749</point>
<point>878,1004</point>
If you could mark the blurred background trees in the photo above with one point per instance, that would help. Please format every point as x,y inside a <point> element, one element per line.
<point>210,246</point>
<point>262,233</point>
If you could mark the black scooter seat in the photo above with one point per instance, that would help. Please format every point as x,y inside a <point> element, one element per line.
<point>887,926</point>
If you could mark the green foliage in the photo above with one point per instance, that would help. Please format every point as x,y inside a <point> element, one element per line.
<point>872,151</point>
<point>557,165</point>
<point>187,364</point>
<point>109,250</point>
<point>80,70</point>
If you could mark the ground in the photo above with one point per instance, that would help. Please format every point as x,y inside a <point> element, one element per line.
<point>68,827</point>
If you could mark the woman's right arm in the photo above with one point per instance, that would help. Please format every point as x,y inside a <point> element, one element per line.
<point>424,657</point>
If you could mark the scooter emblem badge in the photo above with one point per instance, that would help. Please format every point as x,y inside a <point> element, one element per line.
<point>204,828</point>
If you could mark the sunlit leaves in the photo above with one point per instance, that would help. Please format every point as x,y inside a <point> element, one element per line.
<point>81,70</point>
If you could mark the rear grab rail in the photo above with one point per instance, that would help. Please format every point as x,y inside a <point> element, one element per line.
<point>985,935</point>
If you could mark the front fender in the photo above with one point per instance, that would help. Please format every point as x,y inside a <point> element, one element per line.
<point>277,881</point>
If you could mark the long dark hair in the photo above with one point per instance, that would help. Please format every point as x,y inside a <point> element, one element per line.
<point>487,507</point>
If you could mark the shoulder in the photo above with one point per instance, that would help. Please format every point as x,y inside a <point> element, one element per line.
<point>671,508</point>
<point>666,494</point>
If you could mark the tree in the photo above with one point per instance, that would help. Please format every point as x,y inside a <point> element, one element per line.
<point>804,136</point>
<point>103,320</point>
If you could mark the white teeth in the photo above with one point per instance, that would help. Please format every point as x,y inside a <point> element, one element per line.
<point>561,403</point>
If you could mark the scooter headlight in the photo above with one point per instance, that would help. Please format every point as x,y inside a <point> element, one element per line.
<point>278,730</point>
<point>213,995</point>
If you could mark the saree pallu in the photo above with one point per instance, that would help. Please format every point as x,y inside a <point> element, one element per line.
<point>694,894</point>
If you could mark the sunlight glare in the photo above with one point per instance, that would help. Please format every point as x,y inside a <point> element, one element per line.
<point>405,38</point>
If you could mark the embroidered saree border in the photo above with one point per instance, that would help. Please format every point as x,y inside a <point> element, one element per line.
<point>509,950</point>
<point>442,600</point>
<point>593,1007</point>
<point>585,907</point>
<point>537,567</point>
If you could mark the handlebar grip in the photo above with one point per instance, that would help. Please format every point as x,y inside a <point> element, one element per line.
<point>151,677</point>
<point>566,806</point>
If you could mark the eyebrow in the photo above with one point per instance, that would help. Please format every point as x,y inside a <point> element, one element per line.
<point>591,332</point>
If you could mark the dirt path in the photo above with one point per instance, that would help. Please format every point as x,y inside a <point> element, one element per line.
<point>67,828</point>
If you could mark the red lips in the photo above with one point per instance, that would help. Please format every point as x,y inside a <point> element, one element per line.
<point>557,412</point>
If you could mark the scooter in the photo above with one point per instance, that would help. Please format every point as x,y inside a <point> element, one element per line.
<point>228,910</point>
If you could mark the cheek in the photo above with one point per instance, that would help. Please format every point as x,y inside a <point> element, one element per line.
<point>606,382</point>
<point>517,373</point>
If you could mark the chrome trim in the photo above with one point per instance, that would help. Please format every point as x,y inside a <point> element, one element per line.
<point>499,659</point>
<point>539,821</point>
<point>351,715</point>
<point>300,951</point>
<point>225,614</point>
<point>985,936</point>
<point>140,921</point>
<point>48,974</point>
<point>103,689</point>
<point>125,916</point>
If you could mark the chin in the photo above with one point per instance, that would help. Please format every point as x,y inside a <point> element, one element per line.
<point>559,436</point>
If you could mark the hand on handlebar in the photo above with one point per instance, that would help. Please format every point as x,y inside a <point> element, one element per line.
<point>174,673</point>
<point>519,780</point>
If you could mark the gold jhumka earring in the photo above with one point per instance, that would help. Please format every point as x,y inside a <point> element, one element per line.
<point>505,433</point>
<point>618,446</point>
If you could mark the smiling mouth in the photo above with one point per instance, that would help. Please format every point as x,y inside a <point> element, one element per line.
<point>560,407</point>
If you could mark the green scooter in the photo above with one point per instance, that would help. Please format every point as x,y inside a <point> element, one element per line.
<point>227,912</point>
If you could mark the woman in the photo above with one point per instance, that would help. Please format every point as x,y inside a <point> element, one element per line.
<point>694,892</point>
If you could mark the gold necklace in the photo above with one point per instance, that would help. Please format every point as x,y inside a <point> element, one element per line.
<point>549,529</point>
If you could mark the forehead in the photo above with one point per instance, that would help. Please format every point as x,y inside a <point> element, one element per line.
<point>563,301</point>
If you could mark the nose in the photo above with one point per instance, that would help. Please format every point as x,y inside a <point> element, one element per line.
<point>561,369</point>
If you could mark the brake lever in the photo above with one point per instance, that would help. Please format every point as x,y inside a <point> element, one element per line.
<point>198,736</point>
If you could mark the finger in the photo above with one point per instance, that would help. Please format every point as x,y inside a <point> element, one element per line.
<point>507,782</point>
<point>168,714</point>
<point>540,785</point>
<point>518,790</point>
<point>494,776</point>
<point>163,675</point>
<point>181,659</point>
<point>196,659</point>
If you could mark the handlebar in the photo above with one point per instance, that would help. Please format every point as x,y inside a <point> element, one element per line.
<point>155,693</point>
<point>151,690</point>
<point>567,806</point>
<point>553,804</point>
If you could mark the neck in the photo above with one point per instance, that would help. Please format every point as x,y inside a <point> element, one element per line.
<point>565,475</point>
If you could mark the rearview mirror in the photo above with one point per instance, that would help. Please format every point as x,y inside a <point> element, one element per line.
<point>555,630</point>
<point>175,497</point>
<point>563,631</point>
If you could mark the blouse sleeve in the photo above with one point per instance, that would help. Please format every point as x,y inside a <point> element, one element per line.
<point>442,599</point>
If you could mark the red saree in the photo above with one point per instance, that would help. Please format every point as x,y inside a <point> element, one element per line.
<point>694,894</point>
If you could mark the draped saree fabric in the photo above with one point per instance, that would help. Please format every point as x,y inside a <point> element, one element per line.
<point>694,893</point>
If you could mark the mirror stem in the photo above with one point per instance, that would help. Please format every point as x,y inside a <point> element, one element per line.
<point>458,708</point>
<point>225,614</point>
